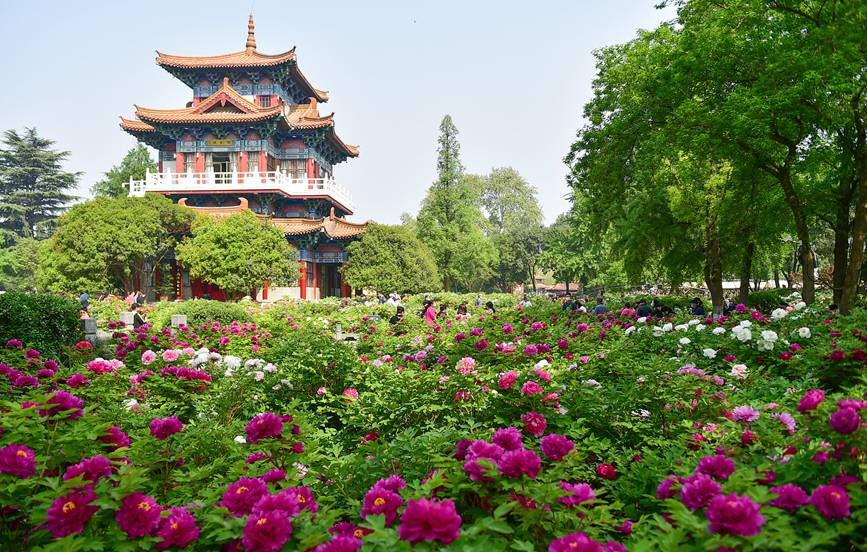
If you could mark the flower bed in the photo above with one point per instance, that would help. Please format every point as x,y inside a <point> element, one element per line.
<point>529,429</point>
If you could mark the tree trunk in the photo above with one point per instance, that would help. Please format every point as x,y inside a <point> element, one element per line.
<point>841,236</point>
<point>746,270</point>
<point>713,270</point>
<point>776,279</point>
<point>859,227</point>
<point>805,251</point>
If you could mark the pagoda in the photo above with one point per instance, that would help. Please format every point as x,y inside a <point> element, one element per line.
<point>252,137</point>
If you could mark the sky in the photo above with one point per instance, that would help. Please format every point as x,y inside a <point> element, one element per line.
<point>513,75</point>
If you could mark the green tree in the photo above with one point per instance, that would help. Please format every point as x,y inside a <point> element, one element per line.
<point>19,265</point>
<point>135,164</point>
<point>450,221</point>
<point>514,226</point>
<point>391,259</point>
<point>33,185</point>
<point>238,253</point>
<point>105,244</point>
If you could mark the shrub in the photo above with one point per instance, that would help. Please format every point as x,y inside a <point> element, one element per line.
<point>768,299</point>
<point>200,311</point>
<point>45,322</point>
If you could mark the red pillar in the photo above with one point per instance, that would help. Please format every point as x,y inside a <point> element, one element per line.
<point>265,290</point>
<point>302,280</point>
<point>200,162</point>
<point>345,290</point>
<point>180,282</point>
<point>316,275</point>
<point>263,162</point>
<point>243,162</point>
<point>179,162</point>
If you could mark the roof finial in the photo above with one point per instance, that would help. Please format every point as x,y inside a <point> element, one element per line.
<point>251,35</point>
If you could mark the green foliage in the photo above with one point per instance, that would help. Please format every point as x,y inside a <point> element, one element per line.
<point>768,299</point>
<point>238,253</point>
<point>19,265</point>
<point>33,185</point>
<point>450,221</point>
<point>47,323</point>
<point>200,311</point>
<point>134,165</point>
<point>103,244</point>
<point>389,259</point>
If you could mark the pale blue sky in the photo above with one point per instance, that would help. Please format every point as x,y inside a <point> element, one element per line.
<point>513,75</point>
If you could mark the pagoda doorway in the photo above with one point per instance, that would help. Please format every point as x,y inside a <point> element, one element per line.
<point>221,166</point>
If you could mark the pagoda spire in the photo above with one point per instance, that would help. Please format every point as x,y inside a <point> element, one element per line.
<point>251,35</point>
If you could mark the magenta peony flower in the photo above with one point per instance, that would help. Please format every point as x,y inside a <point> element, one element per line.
<point>664,489</point>
<point>811,400</point>
<point>831,501</point>
<point>719,467</point>
<point>484,449</point>
<point>789,497</point>
<point>532,388</point>
<point>429,520</point>
<point>556,447</point>
<point>734,515</point>
<point>381,501</point>
<point>264,426</point>
<point>515,463</point>
<point>303,496</point>
<point>578,493</point>
<point>139,515</point>
<point>163,428</point>
<point>509,438</point>
<point>606,471</point>
<point>393,483</point>
<point>477,470</point>
<point>243,494</point>
<point>746,414</point>
<point>272,476</point>
<point>576,542</point>
<point>267,531</point>
<point>535,423</point>
<point>845,421</point>
<point>284,501</point>
<point>341,543</point>
<point>62,401</point>
<point>461,448</point>
<point>92,469</point>
<point>698,490</point>
<point>115,436</point>
<point>77,380</point>
<point>68,514</point>
<point>18,460</point>
<point>508,379</point>
<point>177,529</point>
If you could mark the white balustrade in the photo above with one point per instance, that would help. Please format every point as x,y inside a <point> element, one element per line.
<point>171,182</point>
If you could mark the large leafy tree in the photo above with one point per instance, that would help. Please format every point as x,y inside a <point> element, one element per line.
<point>19,265</point>
<point>135,164</point>
<point>514,226</point>
<point>450,221</point>
<point>33,185</point>
<point>106,244</point>
<point>238,253</point>
<point>391,259</point>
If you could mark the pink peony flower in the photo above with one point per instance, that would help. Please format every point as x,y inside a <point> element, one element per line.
<point>811,400</point>
<point>698,490</point>
<point>147,357</point>
<point>845,421</point>
<point>177,529</point>
<point>734,515</point>
<point>515,463</point>
<point>556,447</point>
<point>243,494</point>
<point>719,467</point>
<point>578,493</point>
<point>68,514</point>
<point>139,515</point>
<point>429,520</point>
<point>535,423</point>
<point>77,380</point>
<point>267,531</point>
<point>115,436</point>
<point>508,379</point>
<point>746,414</point>
<point>789,497</point>
<point>576,542</point>
<point>831,501</point>
<point>381,501</point>
<point>163,428</point>
<point>606,471</point>
<point>509,438</point>
<point>264,426</point>
<point>18,461</point>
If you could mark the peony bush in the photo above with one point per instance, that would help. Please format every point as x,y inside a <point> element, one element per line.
<point>528,429</point>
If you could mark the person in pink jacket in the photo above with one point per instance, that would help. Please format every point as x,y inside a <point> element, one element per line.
<point>430,313</point>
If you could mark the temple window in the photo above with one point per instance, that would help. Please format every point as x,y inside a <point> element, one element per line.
<point>294,168</point>
<point>189,163</point>
<point>265,101</point>
<point>253,161</point>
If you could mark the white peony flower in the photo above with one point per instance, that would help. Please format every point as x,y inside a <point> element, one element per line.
<point>804,333</point>
<point>240,439</point>
<point>629,330</point>
<point>685,341</point>
<point>800,305</point>
<point>779,314</point>
<point>681,327</point>
<point>641,413</point>
<point>658,332</point>
<point>745,324</point>
<point>694,322</point>
<point>593,382</point>
<point>709,353</point>
<point>231,362</point>
<point>270,368</point>
<point>700,327</point>
<point>641,320</point>
<point>667,327</point>
<point>765,345</point>
<point>130,404</point>
<point>541,364</point>
<point>769,335</point>
<point>719,330</point>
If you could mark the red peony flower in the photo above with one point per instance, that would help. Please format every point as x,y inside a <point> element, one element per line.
<point>429,520</point>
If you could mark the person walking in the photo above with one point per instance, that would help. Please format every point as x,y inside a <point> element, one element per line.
<point>85,300</point>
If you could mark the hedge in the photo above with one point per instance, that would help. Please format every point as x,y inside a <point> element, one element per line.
<point>47,323</point>
<point>200,311</point>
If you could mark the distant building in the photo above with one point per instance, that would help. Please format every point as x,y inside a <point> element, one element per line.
<point>253,138</point>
